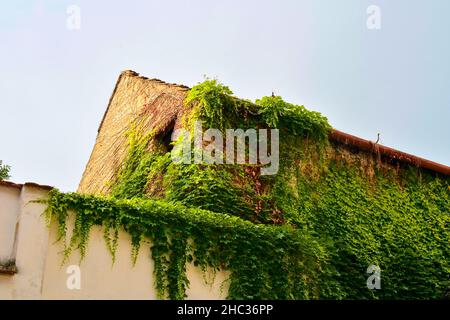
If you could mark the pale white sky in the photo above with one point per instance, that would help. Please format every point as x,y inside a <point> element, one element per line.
<point>55,83</point>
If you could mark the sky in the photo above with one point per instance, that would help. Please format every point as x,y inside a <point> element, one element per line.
<point>55,81</point>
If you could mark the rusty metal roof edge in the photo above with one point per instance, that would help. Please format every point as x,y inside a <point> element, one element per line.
<point>374,148</point>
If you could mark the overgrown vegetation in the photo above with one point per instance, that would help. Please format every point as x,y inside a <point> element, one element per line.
<point>399,221</point>
<point>266,262</point>
<point>4,171</point>
<point>311,231</point>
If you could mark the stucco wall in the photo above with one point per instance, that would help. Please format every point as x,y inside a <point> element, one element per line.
<point>38,259</point>
<point>30,245</point>
<point>100,279</point>
<point>9,210</point>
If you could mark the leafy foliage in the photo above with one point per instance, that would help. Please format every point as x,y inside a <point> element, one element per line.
<point>400,223</point>
<point>255,254</point>
<point>310,231</point>
<point>297,120</point>
<point>4,171</point>
<point>212,102</point>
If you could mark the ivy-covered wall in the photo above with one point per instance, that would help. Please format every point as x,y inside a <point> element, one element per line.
<point>311,231</point>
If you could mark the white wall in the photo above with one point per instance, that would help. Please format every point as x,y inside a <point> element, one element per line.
<point>9,211</point>
<point>38,258</point>
<point>30,236</point>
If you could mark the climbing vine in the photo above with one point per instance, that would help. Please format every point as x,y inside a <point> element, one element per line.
<point>253,253</point>
<point>310,231</point>
<point>399,221</point>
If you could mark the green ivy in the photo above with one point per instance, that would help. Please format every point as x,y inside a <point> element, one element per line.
<point>211,102</point>
<point>4,171</point>
<point>265,262</point>
<point>311,231</point>
<point>400,223</point>
<point>295,119</point>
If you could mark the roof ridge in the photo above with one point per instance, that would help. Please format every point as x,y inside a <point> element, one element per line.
<point>131,73</point>
<point>11,184</point>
